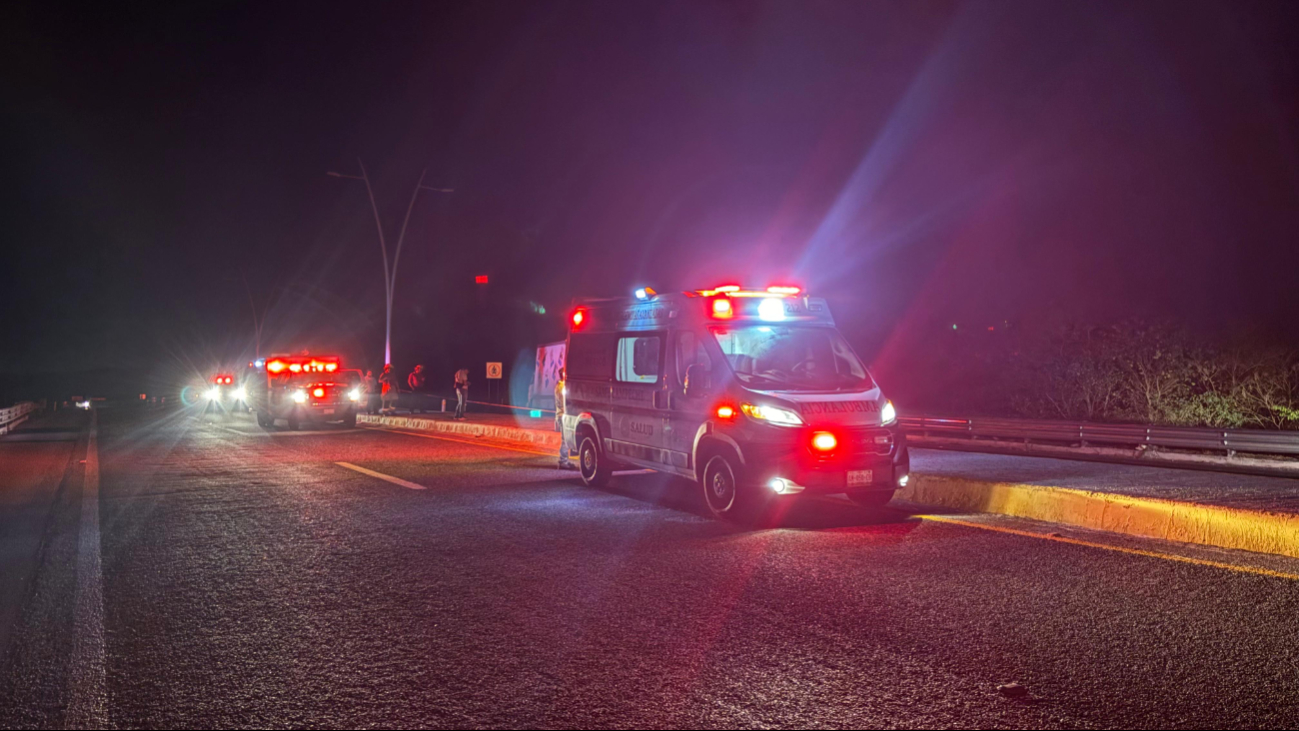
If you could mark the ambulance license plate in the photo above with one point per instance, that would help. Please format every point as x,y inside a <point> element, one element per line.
<point>859,478</point>
<point>329,411</point>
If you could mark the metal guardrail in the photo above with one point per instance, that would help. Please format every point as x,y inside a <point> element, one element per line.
<point>15,415</point>
<point>1230,441</point>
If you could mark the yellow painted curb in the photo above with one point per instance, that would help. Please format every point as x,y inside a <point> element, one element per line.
<point>1208,525</point>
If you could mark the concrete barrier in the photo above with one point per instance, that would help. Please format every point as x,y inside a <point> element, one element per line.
<point>1209,525</point>
<point>543,439</point>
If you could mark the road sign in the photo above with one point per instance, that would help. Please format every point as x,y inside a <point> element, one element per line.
<point>494,370</point>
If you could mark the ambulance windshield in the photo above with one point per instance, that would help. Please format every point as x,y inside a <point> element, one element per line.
<point>792,358</point>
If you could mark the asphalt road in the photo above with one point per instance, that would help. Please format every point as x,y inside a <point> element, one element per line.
<point>214,575</point>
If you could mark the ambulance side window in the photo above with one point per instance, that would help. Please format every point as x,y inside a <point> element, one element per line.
<point>590,356</point>
<point>638,359</point>
<point>690,351</point>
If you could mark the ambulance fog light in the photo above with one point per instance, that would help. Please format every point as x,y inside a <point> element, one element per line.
<point>300,397</point>
<point>213,394</point>
<point>782,486</point>
<point>354,394</point>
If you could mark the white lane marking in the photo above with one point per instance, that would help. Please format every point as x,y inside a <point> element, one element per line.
<point>381,476</point>
<point>87,687</point>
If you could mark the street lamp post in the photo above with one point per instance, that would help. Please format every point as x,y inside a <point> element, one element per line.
<point>390,270</point>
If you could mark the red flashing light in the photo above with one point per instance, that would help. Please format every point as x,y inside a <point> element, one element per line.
<point>331,367</point>
<point>480,279</point>
<point>579,317</point>
<point>722,309</point>
<point>824,441</point>
<point>318,393</point>
<point>725,412</point>
<point>782,289</point>
<point>295,367</point>
<point>276,366</point>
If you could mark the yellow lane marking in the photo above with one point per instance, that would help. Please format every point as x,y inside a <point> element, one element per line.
<point>1109,547</point>
<point>466,441</point>
<point>381,476</point>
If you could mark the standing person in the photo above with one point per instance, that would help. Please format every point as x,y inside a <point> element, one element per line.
<point>565,463</point>
<point>462,391</point>
<point>415,381</point>
<point>370,387</point>
<point>388,383</point>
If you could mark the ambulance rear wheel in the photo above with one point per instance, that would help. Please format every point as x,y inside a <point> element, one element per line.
<point>595,469</point>
<point>350,420</point>
<point>871,498</point>
<point>265,420</point>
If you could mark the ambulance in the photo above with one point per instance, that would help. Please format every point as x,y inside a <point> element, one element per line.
<point>306,388</point>
<point>751,393</point>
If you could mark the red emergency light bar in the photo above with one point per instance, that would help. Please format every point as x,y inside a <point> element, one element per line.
<point>735,290</point>
<point>325,364</point>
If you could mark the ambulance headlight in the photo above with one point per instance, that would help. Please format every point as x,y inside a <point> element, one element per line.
<point>888,414</point>
<point>354,394</point>
<point>213,394</point>
<point>772,415</point>
<point>300,396</point>
<point>239,394</point>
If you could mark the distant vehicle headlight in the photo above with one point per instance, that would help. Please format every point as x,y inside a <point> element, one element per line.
<point>300,396</point>
<point>888,414</point>
<point>239,394</point>
<point>772,415</point>
<point>354,394</point>
<point>213,394</point>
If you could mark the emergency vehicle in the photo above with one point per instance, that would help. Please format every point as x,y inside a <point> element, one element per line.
<point>306,388</point>
<point>226,393</point>
<point>752,393</point>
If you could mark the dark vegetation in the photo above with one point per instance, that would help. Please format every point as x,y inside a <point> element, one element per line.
<point>1132,372</point>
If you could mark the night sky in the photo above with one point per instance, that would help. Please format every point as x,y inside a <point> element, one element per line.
<point>911,161</point>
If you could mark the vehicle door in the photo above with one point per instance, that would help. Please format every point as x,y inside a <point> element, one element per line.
<point>638,399</point>
<point>687,409</point>
<point>588,367</point>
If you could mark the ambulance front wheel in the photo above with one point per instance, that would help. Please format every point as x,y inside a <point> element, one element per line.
<point>294,422</point>
<point>725,492</point>
<point>265,420</point>
<point>596,470</point>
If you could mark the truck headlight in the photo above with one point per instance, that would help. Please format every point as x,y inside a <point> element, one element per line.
<point>300,396</point>
<point>888,414</point>
<point>239,394</point>
<point>354,394</point>
<point>772,415</point>
<point>213,394</point>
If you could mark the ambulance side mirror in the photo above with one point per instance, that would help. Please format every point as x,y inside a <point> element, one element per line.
<point>699,381</point>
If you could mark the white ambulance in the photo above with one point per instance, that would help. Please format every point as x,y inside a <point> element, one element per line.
<point>752,393</point>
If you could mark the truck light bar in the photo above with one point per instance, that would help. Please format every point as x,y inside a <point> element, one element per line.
<point>735,290</point>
